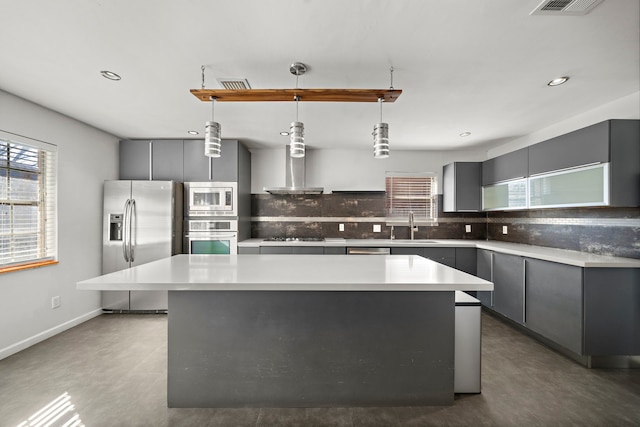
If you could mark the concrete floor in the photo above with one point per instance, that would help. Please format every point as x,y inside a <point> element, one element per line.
<point>113,369</point>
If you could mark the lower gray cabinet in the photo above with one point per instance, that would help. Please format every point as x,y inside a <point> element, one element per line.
<point>484,263</point>
<point>254,250</point>
<point>466,260</point>
<point>446,256</point>
<point>296,250</point>
<point>554,302</point>
<point>335,250</point>
<point>508,286</point>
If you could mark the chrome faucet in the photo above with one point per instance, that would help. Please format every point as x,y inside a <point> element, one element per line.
<point>412,226</point>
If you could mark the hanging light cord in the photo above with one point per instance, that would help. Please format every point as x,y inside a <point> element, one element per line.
<point>391,72</point>
<point>212,98</point>
<point>380,102</point>
<point>202,77</point>
<point>297,98</point>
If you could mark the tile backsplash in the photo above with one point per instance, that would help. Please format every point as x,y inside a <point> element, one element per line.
<point>321,215</point>
<point>600,230</point>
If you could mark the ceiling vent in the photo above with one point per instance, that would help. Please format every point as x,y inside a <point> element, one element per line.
<point>565,7</point>
<point>228,83</point>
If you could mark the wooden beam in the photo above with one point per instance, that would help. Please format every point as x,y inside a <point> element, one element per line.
<point>309,95</point>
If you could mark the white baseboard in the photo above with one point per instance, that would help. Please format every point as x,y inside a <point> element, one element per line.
<point>19,346</point>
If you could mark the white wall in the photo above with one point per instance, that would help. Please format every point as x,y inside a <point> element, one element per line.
<point>86,157</point>
<point>336,169</point>
<point>627,107</point>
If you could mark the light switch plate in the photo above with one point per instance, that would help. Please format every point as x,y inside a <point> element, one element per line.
<point>504,229</point>
<point>340,227</point>
<point>467,228</point>
<point>376,228</point>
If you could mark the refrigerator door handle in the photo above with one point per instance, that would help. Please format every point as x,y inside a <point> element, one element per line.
<point>125,231</point>
<point>133,225</point>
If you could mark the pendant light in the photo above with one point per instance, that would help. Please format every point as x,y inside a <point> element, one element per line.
<point>296,130</point>
<point>212,140</point>
<point>381,132</point>
<point>212,131</point>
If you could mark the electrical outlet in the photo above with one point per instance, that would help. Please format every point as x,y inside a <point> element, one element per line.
<point>55,302</point>
<point>376,228</point>
<point>340,227</point>
<point>504,229</point>
<point>467,228</point>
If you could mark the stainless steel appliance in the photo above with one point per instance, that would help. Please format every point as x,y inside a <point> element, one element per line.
<point>211,199</point>
<point>142,223</point>
<point>368,251</point>
<point>211,236</point>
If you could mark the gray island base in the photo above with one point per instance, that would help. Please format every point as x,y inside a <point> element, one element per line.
<point>303,330</point>
<point>310,349</point>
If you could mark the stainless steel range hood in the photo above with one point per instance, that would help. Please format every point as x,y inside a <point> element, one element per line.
<point>295,178</point>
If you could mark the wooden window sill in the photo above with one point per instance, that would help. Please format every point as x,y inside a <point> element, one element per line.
<point>26,266</point>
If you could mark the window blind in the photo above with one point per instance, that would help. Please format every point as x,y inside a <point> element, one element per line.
<point>411,193</point>
<point>28,225</point>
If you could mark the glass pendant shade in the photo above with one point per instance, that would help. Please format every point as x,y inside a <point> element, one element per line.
<point>381,141</point>
<point>212,140</point>
<point>296,135</point>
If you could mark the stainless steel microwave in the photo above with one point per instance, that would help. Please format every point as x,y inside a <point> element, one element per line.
<point>211,198</point>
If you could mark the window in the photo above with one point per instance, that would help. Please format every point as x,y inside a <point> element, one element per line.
<point>411,192</point>
<point>28,225</point>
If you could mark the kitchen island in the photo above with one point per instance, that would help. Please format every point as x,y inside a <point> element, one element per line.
<point>304,331</point>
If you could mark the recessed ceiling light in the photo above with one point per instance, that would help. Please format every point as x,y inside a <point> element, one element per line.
<point>558,81</point>
<point>110,75</point>
<point>193,132</point>
<point>284,133</point>
<point>463,134</point>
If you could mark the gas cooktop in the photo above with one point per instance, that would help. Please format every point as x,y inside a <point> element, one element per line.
<point>294,239</point>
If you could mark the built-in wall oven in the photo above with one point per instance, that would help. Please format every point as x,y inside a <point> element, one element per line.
<point>211,236</point>
<point>211,199</point>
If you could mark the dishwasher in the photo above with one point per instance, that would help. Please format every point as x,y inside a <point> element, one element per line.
<point>368,251</point>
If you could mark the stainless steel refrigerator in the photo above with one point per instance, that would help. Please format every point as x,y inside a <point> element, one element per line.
<point>142,222</point>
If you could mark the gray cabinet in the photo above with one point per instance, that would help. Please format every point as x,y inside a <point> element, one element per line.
<point>335,250</point>
<point>611,311</point>
<point>197,166</point>
<point>295,250</point>
<point>508,286</point>
<point>581,147</point>
<point>484,262</point>
<point>446,256</point>
<point>134,159</point>
<point>245,250</point>
<point>554,302</point>
<point>166,161</point>
<point>466,260</point>
<point>461,187</point>
<point>616,142</point>
<point>509,166</point>
<point>226,167</point>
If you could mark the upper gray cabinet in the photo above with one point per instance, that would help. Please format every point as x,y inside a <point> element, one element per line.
<point>227,167</point>
<point>166,162</point>
<point>135,159</point>
<point>581,147</point>
<point>509,166</point>
<point>197,166</point>
<point>562,171</point>
<point>184,161</point>
<point>461,187</point>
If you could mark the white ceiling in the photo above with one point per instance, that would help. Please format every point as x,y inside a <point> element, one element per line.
<point>463,65</point>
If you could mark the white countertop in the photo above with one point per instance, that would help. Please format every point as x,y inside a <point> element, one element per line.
<point>563,256</point>
<point>289,273</point>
